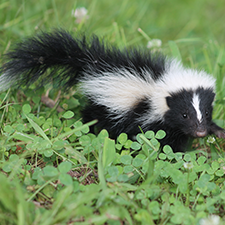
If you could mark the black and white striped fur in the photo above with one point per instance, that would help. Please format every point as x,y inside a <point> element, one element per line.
<point>125,89</point>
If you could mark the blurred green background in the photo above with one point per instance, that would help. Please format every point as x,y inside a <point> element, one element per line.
<point>118,19</point>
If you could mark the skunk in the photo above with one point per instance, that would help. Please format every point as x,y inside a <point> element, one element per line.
<point>126,90</point>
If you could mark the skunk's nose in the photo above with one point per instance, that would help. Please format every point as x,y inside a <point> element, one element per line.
<point>201,133</point>
<point>200,130</point>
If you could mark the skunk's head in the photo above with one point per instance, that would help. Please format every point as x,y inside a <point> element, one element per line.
<point>190,111</point>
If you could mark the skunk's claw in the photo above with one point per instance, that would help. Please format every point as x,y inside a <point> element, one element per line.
<point>220,134</point>
<point>218,131</point>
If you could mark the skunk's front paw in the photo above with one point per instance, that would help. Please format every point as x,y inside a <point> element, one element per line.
<point>220,133</point>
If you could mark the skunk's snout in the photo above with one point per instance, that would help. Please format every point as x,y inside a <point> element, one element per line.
<point>201,131</point>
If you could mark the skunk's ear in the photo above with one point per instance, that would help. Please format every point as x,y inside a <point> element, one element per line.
<point>169,101</point>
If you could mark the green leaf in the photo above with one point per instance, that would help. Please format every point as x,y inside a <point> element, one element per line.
<point>222,195</point>
<point>85,140</point>
<point>137,162</point>
<point>178,156</point>
<point>123,178</point>
<point>8,167</point>
<point>85,129</point>
<point>13,158</point>
<point>20,127</point>
<point>73,153</point>
<point>219,173</point>
<point>38,129</point>
<point>118,146</point>
<point>144,217</point>
<point>112,179</point>
<point>135,145</point>
<point>109,152</point>
<point>49,191</point>
<point>48,153</point>
<point>8,129</point>
<point>36,99</point>
<point>201,160</point>
<point>64,167</point>
<point>167,149</point>
<point>187,157</point>
<point>26,108</point>
<point>150,134</point>
<point>154,207</point>
<point>68,115</point>
<point>122,138</point>
<point>128,144</point>
<point>154,142</point>
<point>113,171</point>
<point>43,145</point>
<point>148,142</point>
<point>160,134</point>
<point>102,135</point>
<point>128,169</point>
<point>37,172</point>
<point>50,171</point>
<point>66,179</point>
<point>215,165</point>
<point>22,137</point>
<point>203,180</point>
<point>162,156</point>
<point>126,159</point>
<point>58,145</point>
<point>101,172</point>
<point>12,162</point>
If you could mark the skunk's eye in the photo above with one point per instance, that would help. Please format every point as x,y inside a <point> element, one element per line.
<point>206,113</point>
<point>185,116</point>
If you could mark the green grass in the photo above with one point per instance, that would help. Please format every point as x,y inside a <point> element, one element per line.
<point>53,171</point>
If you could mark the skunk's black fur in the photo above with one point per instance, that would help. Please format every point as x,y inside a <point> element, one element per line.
<point>126,89</point>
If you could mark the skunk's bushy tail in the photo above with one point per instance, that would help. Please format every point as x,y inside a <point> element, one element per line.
<point>68,58</point>
<point>58,51</point>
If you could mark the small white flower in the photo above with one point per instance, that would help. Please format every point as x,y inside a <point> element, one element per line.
<point>154,43</point>
<point>188,165</point>
<point>211,220</point>
<point>211,140</point>
<point>80,14</point>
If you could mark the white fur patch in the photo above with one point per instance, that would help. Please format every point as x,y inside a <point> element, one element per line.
<point>177,77</point>
<point>196,105</point>
<point>5,82</point>
<point>119,90</point>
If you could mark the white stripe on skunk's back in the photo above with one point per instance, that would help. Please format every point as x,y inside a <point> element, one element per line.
<point>120,89</point>
<point>177,77</point>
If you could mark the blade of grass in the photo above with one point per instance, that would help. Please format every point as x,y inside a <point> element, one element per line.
<point>175,50</point>
<point>109,152</point>
<point>38,129</point>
